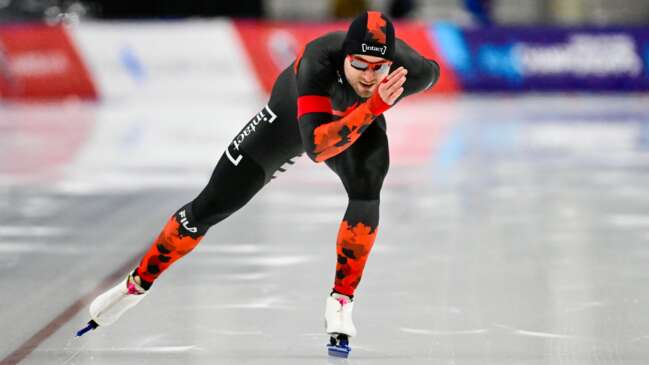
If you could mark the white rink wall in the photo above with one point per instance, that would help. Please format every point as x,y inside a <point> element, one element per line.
<point>165,61</point>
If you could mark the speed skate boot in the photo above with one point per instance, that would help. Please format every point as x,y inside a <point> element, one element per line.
<point>339,324</point>
<point>109,306</point>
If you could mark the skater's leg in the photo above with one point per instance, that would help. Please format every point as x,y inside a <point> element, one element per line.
<point>229,189</point>
<point>361,169</point>
<point>356,237</point>
<point>267,142</point>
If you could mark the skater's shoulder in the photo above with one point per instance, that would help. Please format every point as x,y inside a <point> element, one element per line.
<point>321,59</point>
<point>327,46</point>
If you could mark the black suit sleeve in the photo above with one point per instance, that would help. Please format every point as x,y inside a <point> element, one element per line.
<point>422,72</point>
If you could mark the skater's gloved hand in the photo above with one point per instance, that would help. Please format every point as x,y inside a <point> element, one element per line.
<point>388,91</point>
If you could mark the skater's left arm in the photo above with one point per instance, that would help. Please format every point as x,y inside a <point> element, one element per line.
<point>323,135</point>
<point>423,73</point>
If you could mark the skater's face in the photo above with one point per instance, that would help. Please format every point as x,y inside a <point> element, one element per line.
<point>364,73</point>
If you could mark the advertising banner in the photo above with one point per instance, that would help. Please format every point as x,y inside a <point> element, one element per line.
<point>40,62</point>
<point>166,60</point>
<point>546,59</point>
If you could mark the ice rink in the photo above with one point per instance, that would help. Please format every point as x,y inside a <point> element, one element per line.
<point>514,230</point>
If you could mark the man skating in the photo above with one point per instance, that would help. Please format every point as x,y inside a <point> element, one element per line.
<point>328,103</point>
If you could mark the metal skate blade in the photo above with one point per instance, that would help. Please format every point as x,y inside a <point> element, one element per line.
<point>89,327</point>
<point>338,348</point>
<point>340,352</point>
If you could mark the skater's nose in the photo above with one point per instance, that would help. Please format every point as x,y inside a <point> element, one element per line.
<point>368,77</point>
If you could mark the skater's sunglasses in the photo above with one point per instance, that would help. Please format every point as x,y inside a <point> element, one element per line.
<point>362,64</point>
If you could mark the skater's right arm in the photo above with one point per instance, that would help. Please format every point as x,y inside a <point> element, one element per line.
<point>323,136</point>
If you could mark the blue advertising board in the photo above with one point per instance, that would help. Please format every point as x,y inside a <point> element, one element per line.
<point>546,59</point>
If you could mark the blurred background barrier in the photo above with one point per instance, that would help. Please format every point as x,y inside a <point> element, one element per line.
<point>462,12</point>
<point>545,58</point>
<point>160,61</point>
<point>47,46</point>
<point>272,46</point>
<point>41,62</point>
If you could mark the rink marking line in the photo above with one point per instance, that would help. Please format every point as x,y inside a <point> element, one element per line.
<point>542,334</point>
<point>40,248</point>
<point>585,306</point>
<point>640,338</point>
<point>418,331</point>
<point>153,349</point>
<point>27,347</point>
<point>268,261</point>
<point>31,231</point>
<point>136,350</point>
<point>76,352</point>
<point>629,220</point>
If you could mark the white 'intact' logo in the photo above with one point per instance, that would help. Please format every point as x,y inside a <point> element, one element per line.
<point>374,48</point>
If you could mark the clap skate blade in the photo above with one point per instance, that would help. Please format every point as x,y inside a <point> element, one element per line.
<point>89,327</point>
<point>339,346</point>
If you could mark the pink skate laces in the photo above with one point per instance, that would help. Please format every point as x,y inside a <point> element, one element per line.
<point>342,299</point>
<point>132,287</point>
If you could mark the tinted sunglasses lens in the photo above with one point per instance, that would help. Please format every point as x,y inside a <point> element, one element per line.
<point>382,68</point>
<point>359,65</point>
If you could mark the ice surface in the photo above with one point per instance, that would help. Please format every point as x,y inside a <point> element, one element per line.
<point>513,231</point>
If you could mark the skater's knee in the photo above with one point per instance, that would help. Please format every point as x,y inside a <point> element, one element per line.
<point>214,209</point>
<point>189,224</point>
<point>217,213</point>
<point>363,210</point>
<point>365,187</point>
<point>230,188</point>
<point>364,184</point>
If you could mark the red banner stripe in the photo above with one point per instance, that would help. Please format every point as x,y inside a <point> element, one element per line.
<point>313,104</point>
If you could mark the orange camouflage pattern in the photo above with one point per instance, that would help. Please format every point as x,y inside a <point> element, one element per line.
<point>353,248</point>
<point>166,249</point>
<point>333,138</point>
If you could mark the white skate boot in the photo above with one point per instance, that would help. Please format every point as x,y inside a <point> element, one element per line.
<point>109,306</point>
<point>339,324</point>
